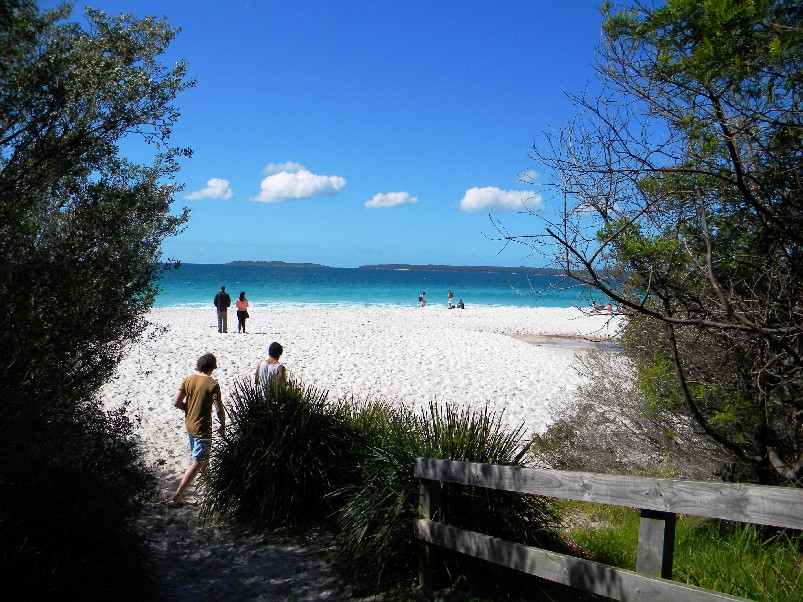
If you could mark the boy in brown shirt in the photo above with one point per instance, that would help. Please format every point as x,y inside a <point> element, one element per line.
<point>196,396</point>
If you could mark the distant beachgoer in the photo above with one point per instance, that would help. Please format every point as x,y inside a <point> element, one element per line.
<point>196,396</point>
<point>609,307</point>
<point>460,304</point>
<point>270,368</point>
<point>222,302</point>
<point>242,311</point>
<point>450,295</point>
<point>422,298</point>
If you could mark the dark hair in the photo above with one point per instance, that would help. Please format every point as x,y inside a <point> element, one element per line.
<point>223,288</point>
<point>275,350</point>
<point>242,295</point>
<point>206,363</point>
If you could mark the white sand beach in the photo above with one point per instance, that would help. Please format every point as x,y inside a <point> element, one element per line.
<point>516,360</point>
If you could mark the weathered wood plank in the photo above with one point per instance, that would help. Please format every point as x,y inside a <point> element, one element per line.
<point>429,502</point>
<point>762,505</point>
<point>576,572</point>
<point>656,544</point>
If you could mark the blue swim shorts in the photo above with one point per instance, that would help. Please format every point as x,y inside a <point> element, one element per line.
<point>200,448</point>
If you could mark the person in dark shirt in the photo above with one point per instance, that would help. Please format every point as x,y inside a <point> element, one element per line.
<point>222,302</point>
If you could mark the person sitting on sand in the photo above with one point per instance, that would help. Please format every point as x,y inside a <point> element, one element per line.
<point>196,396</point>
<point>270,368</point>
<point>460,304</point>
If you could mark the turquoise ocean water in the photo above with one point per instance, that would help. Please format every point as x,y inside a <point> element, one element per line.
<point>194,285</point>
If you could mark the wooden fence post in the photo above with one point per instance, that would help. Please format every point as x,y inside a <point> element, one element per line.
<point>429,500</point>
<point>656,543</point>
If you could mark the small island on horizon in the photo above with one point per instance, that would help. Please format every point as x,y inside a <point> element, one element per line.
<point>414,267</point>
<point>279,264</point>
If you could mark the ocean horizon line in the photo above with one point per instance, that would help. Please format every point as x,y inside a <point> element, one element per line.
<point>272,285</point>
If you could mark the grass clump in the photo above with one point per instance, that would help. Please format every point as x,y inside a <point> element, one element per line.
<point>745,560</point>
<point>291,457</point>
<point>285,450</point>
<point>377,546</point>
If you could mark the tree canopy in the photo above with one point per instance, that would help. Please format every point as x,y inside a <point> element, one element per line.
<point>80,239</point>
<point>684,205</point>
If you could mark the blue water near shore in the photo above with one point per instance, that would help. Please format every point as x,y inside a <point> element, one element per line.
<point>194,285</point>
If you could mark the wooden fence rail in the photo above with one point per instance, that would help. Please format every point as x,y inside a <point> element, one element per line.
<point>659,500</point>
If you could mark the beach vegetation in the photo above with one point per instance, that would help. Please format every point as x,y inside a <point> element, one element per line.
<point>753,562</point>
<point>286,448</point>
<point>290,457</point>
<point>79,252</point>
<point>683,204</point>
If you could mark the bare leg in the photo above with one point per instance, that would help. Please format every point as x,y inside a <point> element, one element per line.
<point>187,479</point>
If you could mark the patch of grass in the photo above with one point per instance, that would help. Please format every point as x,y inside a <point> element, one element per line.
<point>291,457</point>
<point>742,560</point>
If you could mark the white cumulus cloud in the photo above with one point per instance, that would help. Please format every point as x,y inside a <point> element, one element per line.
<point>390,199</point>
<point>216,188</point>
<point>301,184</point>
<point>288,166</point>
<point>492,198</point>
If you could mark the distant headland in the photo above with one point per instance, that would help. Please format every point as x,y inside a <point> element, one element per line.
<point>463,268</point>
<point>493,269</point>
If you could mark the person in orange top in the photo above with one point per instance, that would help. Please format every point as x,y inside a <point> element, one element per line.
<point>242,312</point>
<point>196,396</point>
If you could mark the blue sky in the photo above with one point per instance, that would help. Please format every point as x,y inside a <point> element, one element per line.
<point>359,132</point>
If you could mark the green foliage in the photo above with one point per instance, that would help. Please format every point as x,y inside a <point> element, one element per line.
<point>290,457</point>
<point>80,229</point>
<point>683,185</point>
<point>607,534</point>
<point>377,545</point>
<point>741,560</point>
<point>286,448</point>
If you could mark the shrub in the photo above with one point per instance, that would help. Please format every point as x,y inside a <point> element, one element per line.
<point>74,490</point>
<point>81,228</point>
<point>284,450</point>
<point>613,426</point>
<point>377,544</point>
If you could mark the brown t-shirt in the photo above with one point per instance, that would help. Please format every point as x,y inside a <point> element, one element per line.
<point>201,392</point>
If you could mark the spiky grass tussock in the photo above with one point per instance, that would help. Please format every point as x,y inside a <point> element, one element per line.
<point>284,450</point>
<point>375,522</point>
<point>290,456</point>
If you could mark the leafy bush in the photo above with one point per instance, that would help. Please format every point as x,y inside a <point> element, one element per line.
<point>80,232</point>
<point>285,449</point>
<point>291,456</point>
<point>613,425</point>
<point>72,493</point>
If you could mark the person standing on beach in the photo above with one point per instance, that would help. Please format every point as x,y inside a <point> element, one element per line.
<point>422,298</point>
<point>450,295</point>
<point>242,311</point>
<point>222,302</point>
<point>196,396</point>
<point>270,368</point>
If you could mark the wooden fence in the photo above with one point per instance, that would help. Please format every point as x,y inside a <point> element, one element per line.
<point>659,500</point>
